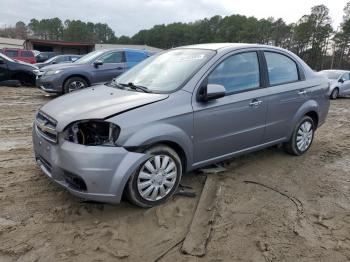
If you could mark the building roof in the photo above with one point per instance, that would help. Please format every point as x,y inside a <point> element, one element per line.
<point>58,42</point>
<point>11,41</point>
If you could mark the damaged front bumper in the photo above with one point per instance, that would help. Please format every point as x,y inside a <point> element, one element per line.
<point>97,173</point>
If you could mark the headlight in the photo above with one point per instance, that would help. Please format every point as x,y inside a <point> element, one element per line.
<point>52,72</point>
<point>92,133</point>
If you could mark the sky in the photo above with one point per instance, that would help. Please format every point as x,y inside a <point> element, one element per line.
<point>127,17</point>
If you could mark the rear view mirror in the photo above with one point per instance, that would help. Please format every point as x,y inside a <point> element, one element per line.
<point>212,91</point>
<point>98,63</point>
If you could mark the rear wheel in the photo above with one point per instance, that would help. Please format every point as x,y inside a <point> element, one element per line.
<point>156,179</point>
<point>73,84</point>
<point>335,93</point>
<point>302,137</point>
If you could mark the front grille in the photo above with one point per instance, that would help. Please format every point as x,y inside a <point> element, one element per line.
<point>74,181</point>
<point>46,126</point>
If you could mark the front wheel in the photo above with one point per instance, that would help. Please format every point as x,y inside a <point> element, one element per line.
<point>73,84</point>
<point>335,93</point>
<point>302,137</point>
<point>156,179</point>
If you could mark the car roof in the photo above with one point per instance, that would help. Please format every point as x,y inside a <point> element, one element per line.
<point>124,49</point>
<point>336,70</point>
<point>217,46</point>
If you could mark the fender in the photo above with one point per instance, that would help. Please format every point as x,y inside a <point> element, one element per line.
<point>167,133</point>
<point>308,106</point>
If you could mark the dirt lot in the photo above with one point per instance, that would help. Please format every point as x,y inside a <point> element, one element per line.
<point>268,206</point>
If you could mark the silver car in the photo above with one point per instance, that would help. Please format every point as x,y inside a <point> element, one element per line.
<point>339,82</point>
<point>179,110</point>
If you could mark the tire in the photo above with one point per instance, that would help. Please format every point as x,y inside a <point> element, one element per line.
<point>150,183</point>
<point>25,79</point>
<point>301,141</point>
<point>79,83</point>
<point>335,93</point>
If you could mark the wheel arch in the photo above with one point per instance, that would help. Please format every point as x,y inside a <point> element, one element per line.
<point>77,75</point>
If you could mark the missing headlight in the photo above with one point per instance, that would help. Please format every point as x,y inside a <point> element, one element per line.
<point>92,133</point>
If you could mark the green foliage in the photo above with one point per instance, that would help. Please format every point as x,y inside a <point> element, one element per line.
<point>311,37</point>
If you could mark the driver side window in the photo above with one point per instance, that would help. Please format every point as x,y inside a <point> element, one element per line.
<point>237,73</point>
<point>115,57</point>
<point>345,77</point>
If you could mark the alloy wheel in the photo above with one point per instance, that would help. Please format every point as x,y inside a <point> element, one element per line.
<point>157,177</point>
<point>304,136</point>
<point>75,85</point>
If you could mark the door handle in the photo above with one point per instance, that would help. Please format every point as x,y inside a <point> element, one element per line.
<point>302,92</point>
<point>255,103</point>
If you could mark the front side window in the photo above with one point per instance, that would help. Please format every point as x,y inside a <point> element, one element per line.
<point>345,77</point>
<point>167,71</point>
<point>115,57</point>
<point>237,73</point>
<point>281,69</point>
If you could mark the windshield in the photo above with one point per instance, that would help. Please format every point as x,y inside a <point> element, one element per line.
<point>90,57</point>
<point>51,59</point>
<point>6,58</point>
<point>167,71</point>
<point>331,74</point>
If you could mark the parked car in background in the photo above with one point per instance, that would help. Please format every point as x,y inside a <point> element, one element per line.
<point>179,110</point>
<point>20,55</point>
<point>96,67</point>
<point>339,82</point>
<point>43,56</point>
<point>13,70</point>
<point>58,60</point>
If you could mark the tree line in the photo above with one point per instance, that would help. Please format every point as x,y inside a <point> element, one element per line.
<point>311,37</point>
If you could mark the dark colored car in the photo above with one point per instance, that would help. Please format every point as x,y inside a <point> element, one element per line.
<point>100,66</point>
<point>13,70</point>
<point>20,55</point>
<point>43,56</point>
<point>58,60</point>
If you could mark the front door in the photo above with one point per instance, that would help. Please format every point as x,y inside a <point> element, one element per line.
<point>345,86</point>
<point>237,121</point>
<point>113,66</point>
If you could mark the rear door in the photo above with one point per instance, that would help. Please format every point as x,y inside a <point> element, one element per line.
<point>287,91</point>
<point>113,66</point>
<point>237,121</point>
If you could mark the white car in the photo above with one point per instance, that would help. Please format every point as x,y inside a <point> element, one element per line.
<point>339,82</point>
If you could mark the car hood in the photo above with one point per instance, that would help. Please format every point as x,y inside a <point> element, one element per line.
<point>98,102</point>
<point>61,66</point>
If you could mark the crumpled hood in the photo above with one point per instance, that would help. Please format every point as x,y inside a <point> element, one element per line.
<point>96,102</point>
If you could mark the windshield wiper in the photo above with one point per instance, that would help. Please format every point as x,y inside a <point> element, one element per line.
<point>136,87</point>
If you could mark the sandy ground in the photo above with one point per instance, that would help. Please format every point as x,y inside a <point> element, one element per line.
<point>269,207</point>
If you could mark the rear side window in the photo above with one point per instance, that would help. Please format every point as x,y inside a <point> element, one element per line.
<point>27,54</point>
<point>237,73</point>
<point>281,69</point>
<point>11,53</point>
<point>135,56</point>
<point>115,57</point>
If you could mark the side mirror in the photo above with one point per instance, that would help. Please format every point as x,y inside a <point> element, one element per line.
<point>211,92</point>
<point>341,80</point>
<point>54,62</point>
<point>98,63</point>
